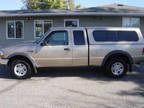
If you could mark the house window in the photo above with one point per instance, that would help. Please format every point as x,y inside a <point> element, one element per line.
<point>131,22</point>
<point>15,29</point>
<point>71,23</point>
<point>41,27</point>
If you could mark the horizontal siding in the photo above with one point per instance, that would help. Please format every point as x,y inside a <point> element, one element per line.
<point>84,21</point>
<point>100,22</point>
<point>29,30</point>
<point>28,33</point>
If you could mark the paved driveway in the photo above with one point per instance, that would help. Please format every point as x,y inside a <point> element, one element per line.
<point>71,88</point>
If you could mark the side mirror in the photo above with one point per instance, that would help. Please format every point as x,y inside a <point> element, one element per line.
<point>43,43</point>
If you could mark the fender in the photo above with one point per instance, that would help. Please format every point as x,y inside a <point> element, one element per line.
<point>27,56</point>
<point>117,52</point>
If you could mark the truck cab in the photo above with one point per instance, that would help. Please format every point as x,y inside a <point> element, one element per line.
<point>63,47</point>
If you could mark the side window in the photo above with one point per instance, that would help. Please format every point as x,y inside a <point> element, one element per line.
<point>104,36</point>
<point>127,36</point>
<point>57,38</point>
<point>79,38</point>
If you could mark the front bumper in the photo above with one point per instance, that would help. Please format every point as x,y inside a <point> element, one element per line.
<point>3,61</point>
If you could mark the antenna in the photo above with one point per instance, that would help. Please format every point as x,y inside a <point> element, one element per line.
<point>67,4</point>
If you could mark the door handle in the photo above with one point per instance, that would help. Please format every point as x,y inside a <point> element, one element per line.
<point>66,49</point>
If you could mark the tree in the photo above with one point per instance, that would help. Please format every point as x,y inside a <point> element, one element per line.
<point>49,4</point>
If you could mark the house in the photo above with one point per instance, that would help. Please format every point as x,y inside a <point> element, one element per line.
<point>24,25</point>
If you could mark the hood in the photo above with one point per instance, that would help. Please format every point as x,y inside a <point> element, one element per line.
<point>17,43</point>
<point>22,47</point>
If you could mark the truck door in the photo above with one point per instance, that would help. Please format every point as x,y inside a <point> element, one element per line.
<point>57,52</point>
<point>80,47</point>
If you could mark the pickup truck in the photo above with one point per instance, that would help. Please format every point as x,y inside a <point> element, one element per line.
<point>114,49</point>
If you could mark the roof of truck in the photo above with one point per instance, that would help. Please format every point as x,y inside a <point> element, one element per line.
<point>76,28</point>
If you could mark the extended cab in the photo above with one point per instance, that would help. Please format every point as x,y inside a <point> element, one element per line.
<point>115,49</point>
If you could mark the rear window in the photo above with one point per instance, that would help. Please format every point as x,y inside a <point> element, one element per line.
<point>127,36</point>
<point>111,36</point>
<point>79,38</point>
<point>103,35</point>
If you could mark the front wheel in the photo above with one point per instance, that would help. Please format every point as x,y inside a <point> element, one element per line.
<point>21,69</point>
<point>116,68</point>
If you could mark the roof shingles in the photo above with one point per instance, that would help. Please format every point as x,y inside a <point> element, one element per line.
<point>113,9</point>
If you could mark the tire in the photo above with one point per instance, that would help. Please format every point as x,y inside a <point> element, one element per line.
<point>116,68</point>
<point>21,69</point>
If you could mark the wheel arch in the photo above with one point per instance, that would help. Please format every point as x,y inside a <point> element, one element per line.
<point>119,53</point>
<point>24,57</point>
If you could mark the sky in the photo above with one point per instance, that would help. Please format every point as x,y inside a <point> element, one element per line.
<point>17,4</point>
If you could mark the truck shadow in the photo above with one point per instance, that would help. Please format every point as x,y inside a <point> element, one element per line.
<point>5,72</point>
<point>97,74</point>
<point>94,74</point>
<point>70,72</point>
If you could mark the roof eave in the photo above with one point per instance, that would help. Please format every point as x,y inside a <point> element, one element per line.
<point>74,14</point>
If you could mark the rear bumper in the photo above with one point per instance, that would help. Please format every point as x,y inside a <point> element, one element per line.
<point>3,61</point>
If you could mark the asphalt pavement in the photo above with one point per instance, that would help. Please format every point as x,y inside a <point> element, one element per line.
<point>72,88</point>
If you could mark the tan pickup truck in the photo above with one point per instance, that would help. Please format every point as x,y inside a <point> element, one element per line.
<point>115,49</point>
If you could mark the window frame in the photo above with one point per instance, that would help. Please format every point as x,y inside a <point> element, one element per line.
<point>111,42</point>
<point>85,43</point>
<point>71,20</point>
<point>130,18</point>
<point>108,31</point>
<point>35,37</point>
<point>118,32</point>
<point>14,21</point>
<point>56,32</point>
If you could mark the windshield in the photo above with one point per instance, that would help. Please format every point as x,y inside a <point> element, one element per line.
<point>41,38</point>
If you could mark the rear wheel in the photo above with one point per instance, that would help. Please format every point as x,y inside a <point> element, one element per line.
<point>21,69</point>
<point>116,67</point>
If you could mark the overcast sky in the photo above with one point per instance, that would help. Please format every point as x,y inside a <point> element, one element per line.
<point>17,4</point>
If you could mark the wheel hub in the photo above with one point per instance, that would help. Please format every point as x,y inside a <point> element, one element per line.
<point>117,68</point>
<point>20,69</point>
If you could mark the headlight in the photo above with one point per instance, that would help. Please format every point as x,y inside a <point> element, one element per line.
<point>1,54</point>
